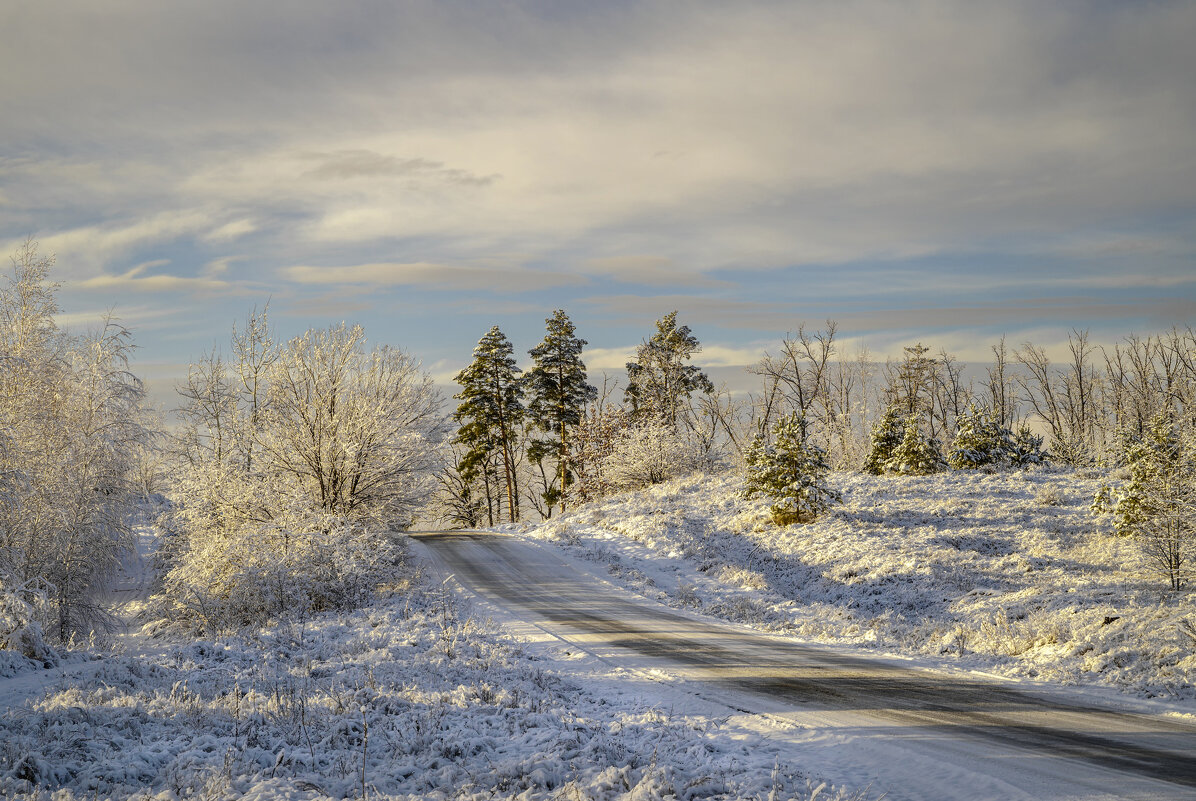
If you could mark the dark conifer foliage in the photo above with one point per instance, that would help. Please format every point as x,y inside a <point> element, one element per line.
<point>559,394</point>
<point>659,382</point>
<point>490,413</point>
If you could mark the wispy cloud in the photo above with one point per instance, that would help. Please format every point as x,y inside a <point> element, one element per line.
<point>441,276</point>
<point>138,279</point>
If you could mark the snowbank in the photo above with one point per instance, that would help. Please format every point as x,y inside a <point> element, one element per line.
<point>1006,572</point>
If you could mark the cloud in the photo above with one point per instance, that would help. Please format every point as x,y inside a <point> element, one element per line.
<point>942,164</point>
<point>349,164</point>
<point>231,230</point>
<point>136,280</point>
<point>440,276</point>
<point>724,135</point>
<point>649,271</point>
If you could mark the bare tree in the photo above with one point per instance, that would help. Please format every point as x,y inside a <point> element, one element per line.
<point>1002,397</point>
<point>1067,399</point>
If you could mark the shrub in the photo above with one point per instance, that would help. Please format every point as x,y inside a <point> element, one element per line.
<point>649,451</point>
<point>916,455</point>
<point>887,433</point>
<point>980,441</point>
<point>791,472</point>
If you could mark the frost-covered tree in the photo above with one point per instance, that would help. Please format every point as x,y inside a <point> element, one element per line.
<point>887,435</point>
<point>296,462</point>
<point>791,472</point>
<point>70,431</point>
<point>1158,504</point>
<point>559,393</point>
<point>917,455</point>
<point>491,411</point>
<point>659,382</point>
<point>1026,448</point>
<point>980,441</point>
<point>649,451</point>
<point>1066,398</point>
<point>593,442</point>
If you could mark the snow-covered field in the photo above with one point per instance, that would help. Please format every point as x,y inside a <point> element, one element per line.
<point>1009,573</point>
<point>409,698</point>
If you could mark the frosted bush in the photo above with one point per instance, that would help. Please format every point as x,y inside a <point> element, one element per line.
<point>261,573</point>
<point>649,451</point>
<point>1048,496</point>
<point>21,606</point>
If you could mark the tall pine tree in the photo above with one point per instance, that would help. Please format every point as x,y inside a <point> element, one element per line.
<point>559,394</point>
<point>659,381</point>
<point>490,412</point>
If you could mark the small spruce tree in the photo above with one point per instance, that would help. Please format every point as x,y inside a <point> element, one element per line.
<point>1026,449</point>
<point>1158,504</point>
<point>917,455</point>
<point>980,441</point>
<point>1149,457</point>
<point>791,471</point>
<point>887,433</point>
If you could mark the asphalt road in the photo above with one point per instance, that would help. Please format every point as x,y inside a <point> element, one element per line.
<point>1035,738</point>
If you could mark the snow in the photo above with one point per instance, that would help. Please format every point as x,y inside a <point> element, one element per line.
<point>409,698</point>
<point>420,696</point>
<point>1008,573</point>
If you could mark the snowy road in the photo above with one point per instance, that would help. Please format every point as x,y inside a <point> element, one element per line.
<point>908,732</point>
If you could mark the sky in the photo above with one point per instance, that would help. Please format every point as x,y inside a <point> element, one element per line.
<point>933,172</point>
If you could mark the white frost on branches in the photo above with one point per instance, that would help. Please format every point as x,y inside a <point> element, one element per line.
<point>297,464</point>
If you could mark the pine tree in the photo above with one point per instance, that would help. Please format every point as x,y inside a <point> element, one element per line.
<point>659,381</point>
<point>790,471</point>
<point>917,455</point>
<point>1026,448</point>
<point>980,441</point>
<point>1147,456</point>
<point>887,433</point>
<point>491,409</point>
<point>559,394</point>
<point>1158,504</point>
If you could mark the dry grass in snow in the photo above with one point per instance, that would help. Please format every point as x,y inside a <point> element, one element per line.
<point>1007,572</point>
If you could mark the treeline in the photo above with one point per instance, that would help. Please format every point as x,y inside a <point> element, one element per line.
<point>535,443</point>
<point>540,440</point>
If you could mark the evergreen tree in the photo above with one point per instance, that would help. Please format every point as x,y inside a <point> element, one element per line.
<point>559,394</point>
<point>1026,448</point>
<point>917,455</point>
<point>791,472</point>
<point>490,412</point>
<point>1158,504</point>
<point>980,441</point>
<point>887,433</point>
<point>659,381</point>
<point>1155,452</point>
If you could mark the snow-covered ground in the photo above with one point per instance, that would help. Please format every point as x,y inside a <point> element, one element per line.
<point>409,698</point>
<point>1009,573</point>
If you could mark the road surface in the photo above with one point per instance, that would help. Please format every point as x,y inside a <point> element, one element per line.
<point>934,728</point>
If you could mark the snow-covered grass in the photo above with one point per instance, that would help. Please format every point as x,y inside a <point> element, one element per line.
<point>1006,572</point>
<point>407,698</point>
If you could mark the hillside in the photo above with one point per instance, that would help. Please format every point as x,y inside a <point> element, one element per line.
<point>1009,573</point>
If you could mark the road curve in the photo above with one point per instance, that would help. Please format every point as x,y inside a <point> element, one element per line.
<point>1145,756</point>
